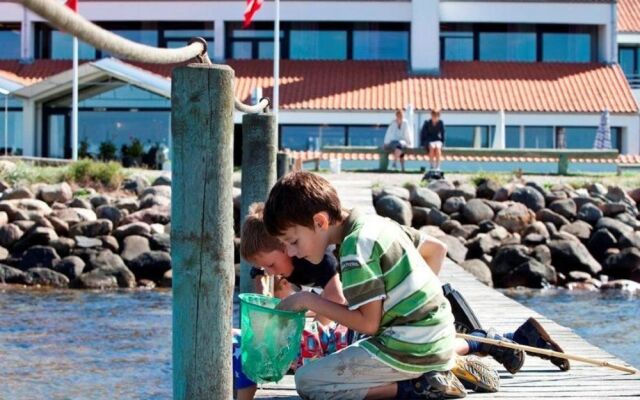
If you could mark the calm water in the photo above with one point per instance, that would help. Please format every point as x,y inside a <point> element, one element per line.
<point>610,321</point>
<point>99,345</point>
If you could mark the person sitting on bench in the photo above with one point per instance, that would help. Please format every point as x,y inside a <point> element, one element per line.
<point>398,138</point>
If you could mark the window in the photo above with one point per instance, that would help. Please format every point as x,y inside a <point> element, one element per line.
<point>313,44</point>
<point>512,137</point>
<point>367,135</point>
<point>566,47</point>
<point>629,59</point>
<point>538,137</point>
<point>51,43</point>
<point>459,136</point>
<point>254,43</point>
<point>311,137</point>
<point>14,132</point>
<point>507,46</point>
<point>457,46</point>
<point>370,44</point>
<point>583,137</point>
<point>10,39</point>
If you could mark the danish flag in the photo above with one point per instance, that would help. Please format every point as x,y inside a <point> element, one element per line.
<point>252,7</point>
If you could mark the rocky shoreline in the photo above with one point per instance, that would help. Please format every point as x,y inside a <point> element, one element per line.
<point>524,234</point>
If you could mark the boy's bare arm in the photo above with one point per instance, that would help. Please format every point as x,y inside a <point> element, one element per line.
<point>365,319</point>
<point>433,251</point>
<point>332,291</point>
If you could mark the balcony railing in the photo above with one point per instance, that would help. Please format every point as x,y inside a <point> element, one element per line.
<point>634,80</point>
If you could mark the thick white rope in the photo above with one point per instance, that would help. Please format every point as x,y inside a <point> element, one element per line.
<point>69,21</point>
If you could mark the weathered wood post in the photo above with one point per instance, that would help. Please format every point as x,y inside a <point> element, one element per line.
<point>202,105</point>
<point>283,163</point>
<point>259,148</point>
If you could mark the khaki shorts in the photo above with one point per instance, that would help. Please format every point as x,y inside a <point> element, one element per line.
<point>347,374</point>
<point>435,145</point>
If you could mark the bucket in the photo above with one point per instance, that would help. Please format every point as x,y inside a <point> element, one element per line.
<point>335,165</point>
<point>270,338</point>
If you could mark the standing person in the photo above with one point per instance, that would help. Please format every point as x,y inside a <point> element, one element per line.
<point>432,137</point>
<point>398,137</point>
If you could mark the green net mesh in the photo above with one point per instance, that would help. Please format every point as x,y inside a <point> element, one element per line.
<point>270,337</point>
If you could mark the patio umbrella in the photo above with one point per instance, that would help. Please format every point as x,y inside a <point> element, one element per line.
<point>499,136</point>
<point>603,134</point>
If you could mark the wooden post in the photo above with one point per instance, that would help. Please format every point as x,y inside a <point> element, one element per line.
<point>202,105</point>
<point>384,161</point>
<point>259,148</point>
<point>563,164</point>
<point>283,164</point>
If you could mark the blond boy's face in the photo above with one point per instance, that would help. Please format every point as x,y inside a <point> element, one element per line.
<point>303,242</point>
<point>274,262</point>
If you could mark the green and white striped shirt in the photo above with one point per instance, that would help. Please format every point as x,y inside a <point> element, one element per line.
<point>379,261</point>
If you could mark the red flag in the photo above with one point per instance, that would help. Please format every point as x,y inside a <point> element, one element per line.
<point>252,7</point>
<point>72,4</point>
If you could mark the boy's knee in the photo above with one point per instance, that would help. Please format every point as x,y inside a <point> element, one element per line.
<point>306,385</point>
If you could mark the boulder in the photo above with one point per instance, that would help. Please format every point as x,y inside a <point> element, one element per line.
<point>98,200</point>
<point>4,218</point>
<point>589,213</point>
<point>63,246</point>
<point>634,195</point>
<point>538,228</point>
<point>132,247</point>
<point>420,216</point>
<point>569,255</point>
<point>436,217</point>
<point>440,186</point>
<point>136,184</point>
<point>613,209</point>
<point>506,258</point>
<point>624,285</point>
<point>476,211</point>
<point>151,265</point>
<point>162,180</point>
<point>80,203</point>
<point>46,277</point>
<point>113,214</point>
<point>578,276</point>
<point>579,229</point>
<point>620,265</point>
<point>465,231</point>
<point>70,266</point>
<point>528,196</point>
<point>515,218</point>
<point>110,243</point>
<point>21,208</point>
<point>135,228</point>
<point>96,279</point>
<point>150,200</point>
<point>157,214</point>
<point>450,225</point>
<point>17,194</point>
<point>630,240</point>
<point>601,241</point>
<point>487,188</point>
<point>565,207</point>
<point>111,264</point>
<point>167,279</point>
<point>87,242</point>
<point>424,197</point>
<point>11,275</point>
<point>483,243</point>
<point>60,193</point>
<point>9,234</point>
<point>617,228</point>
<point>478,269</point>
<point>530,273</point>
<point>547,215</point>
<point>456,249</point>
<point>37,235</point>
<point>146,284</point>
<point>92,228</point>
<point>533,239</point>
<point>60,226</point>
<point>542,253</point>
<point>629,220</point>
<point>39,257</point>
<point>131,204</point>
<point>391,207</point>
<point>465,190</point>
<point>24,225</point>
<point>166,191</point>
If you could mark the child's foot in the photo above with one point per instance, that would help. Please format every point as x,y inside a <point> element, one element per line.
<point>531,333</point>
<point>476,375</point>
<point>511,359</point>
<point>433,386</point>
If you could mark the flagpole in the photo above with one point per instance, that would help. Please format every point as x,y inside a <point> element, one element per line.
<point>276,65</point>
<point>74,103</point>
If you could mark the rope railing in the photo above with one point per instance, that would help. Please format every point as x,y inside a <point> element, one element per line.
<point>67,20</point>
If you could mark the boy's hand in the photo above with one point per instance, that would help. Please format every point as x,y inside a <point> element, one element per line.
<point>295,302</point>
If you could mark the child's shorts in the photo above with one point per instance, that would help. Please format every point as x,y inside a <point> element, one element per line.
<point>240,380</point>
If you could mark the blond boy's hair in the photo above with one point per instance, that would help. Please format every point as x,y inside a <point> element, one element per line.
<point>254,236</point>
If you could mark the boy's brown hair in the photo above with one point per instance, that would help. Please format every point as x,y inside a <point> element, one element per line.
<point>296,198</point>
<point>254,236</point>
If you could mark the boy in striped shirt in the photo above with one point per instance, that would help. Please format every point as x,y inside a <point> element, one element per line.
<point>392,297</point>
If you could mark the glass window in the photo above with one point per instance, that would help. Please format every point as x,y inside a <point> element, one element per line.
<point>584,137</point>
<point>380,45</point>
<point>459,136</point>
<point>14,130</point>
<point>10,39</point>
<point>512,137</point>
<point>507,46</point>
<point>457,46</point>
<point>626,57</point>
<point>142,36</point>
<point>265,50</point>
<point>62,47</point>
<point>367,135</point>
<point>242,50</point>
<point>538,137</point>
<point>127,96</point>
<point>311,44</point>
<point>566,47</point>
<point>312,137</point>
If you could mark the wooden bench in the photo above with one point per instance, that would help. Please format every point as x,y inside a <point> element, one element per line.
<point>562,156</point>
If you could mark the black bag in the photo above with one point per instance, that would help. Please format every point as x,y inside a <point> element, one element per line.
<point>465,320</point>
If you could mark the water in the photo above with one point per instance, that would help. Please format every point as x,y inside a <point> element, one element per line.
<point>609,320</point>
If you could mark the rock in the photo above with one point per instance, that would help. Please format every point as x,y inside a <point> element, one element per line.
<point>483,243</point>
<point>167,279</point>
<point>476,211</point>
<point>487,226</point>
<point>136,184</point>
<point>92,228</point>
<point>399,192</point>
<point>110,243</point>
<point>538,228</point>
<point>70,266</point>
<point>450,225</point>
<point>146,284</point>
<point>579,229</point>
<point>133,246</point>
<point>617,228</point>
<point>11,275</point>
<point>478,269</point>
<point>162,180</point>
<point>17,193</point>
<point>149,201</point>
<point>80,203</point>
<point>581,201</point>
<point>620,265</point>
<point>440,186</point>
<point>39,257</point>
<point>166,191</point>
<point>21,208</point>
<point>87,242</point>
<point>60,193</point>
<point>95,279</point>
<point>436,217</point>
<point>392,207</point>
<point>629,220</point>
<point>34,236</point>
<point>4,218</point>
<point>533,239</point>
<point>635,195</point>
<point>530,273</point>
<point>158,214</point>
<point>630,240</point>
<point>578,276</point>
<point>135,228</point>
<point>161,242</point>
<point>528,196</point>
<point>616,194</point>
<point>3,185</point>
<point>565,207</point>
<point>542,253</point>
<point>131,204</point>
<point>624,285</point>
<point>98,200</point>
<point>9,234</point>
<point>156,228</point>
<point>601,240</point>
<point>423,197</point>
<point>151,265</point>
<point>497,206</point>
<point>111,264</point>
<point>569,255</point>
<point>546,215</point>
<point>465,190</point>
<point>456,250</point>
<point>58,225</point>
<point>113,214</point>
<point>63,246</point>
<point>596,188</point>
<point>613,209</point>
<point>487,189</point>
<point>465,231</point>
<point>503,193</point>
<point>420,216</point>
<point>506,258</point>
<point>499,233</point>
<point>47,277</point>
<point>589,213</point>
<point>24,225</point>
<point>515,218</point>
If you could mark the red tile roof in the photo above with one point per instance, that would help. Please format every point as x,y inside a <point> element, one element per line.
<point>628,15</point>
<point>387,85</point>
<point>27,74</point>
